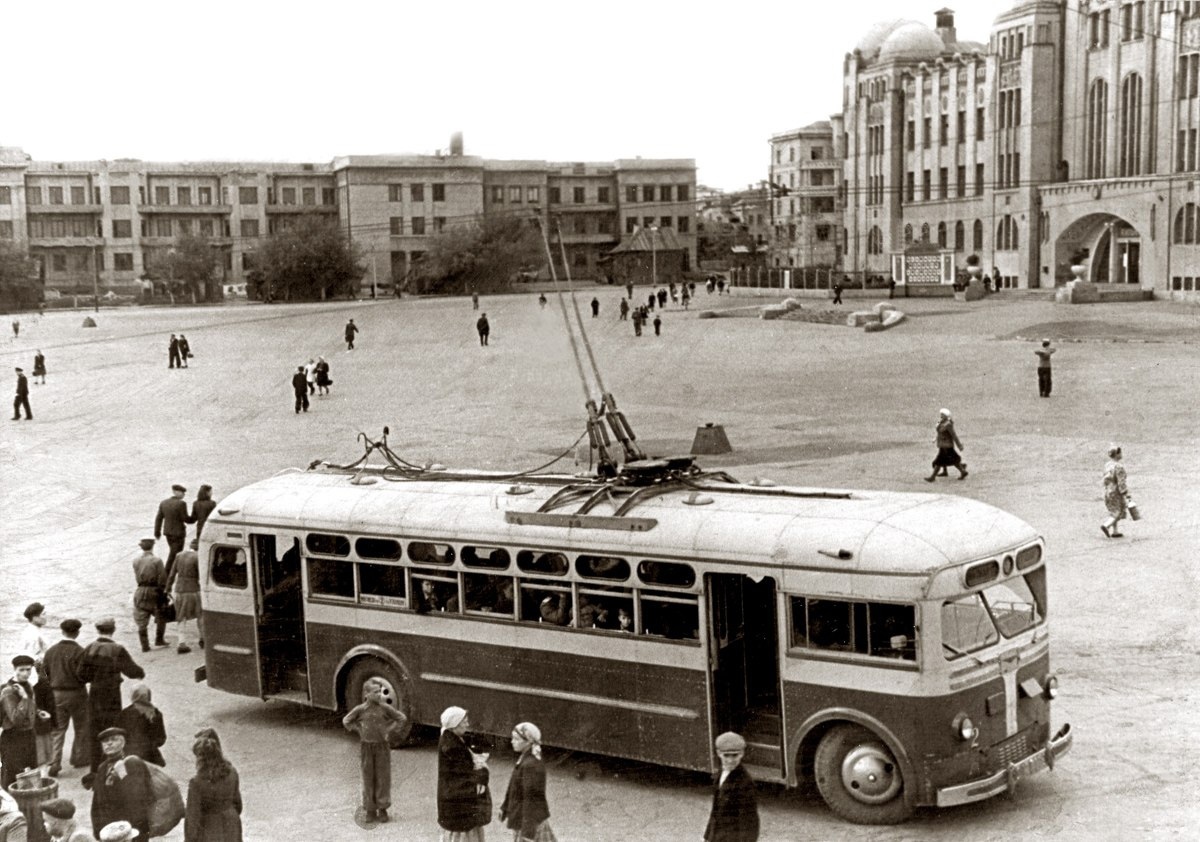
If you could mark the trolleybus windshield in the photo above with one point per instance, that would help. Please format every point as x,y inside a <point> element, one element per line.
<point>1008,608</point>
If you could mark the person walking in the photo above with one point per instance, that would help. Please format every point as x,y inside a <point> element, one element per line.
<point>524,810</point>
<point>58,817</point>
<point>662,299</point>
<point>18,719</point>
<point>464,804</point>
<point>734,815</point>
<point>1043,369</point>
<point>310,375</point>
<point>149,595</point>
<point>185,576</point>
<point>173,360</point>
<point>300,385</point>
<point>373,720</point>
<point>104,662</point>
<point>474,300</point>
<point>350,331</point>
<point>837,290</point>
<point>720,285</point>
<point>657,325</point>
<point>62,668</point>
<point>1117,498</point>
<point>33,643</point>
<point>323,381</point>
<point>685,297</point>
<point>629,289</point>
<point>595,307</point>
<point>214,796</point>
<point>145,729</point>
<point>202,507</point>
<point>171,521</point>
<point>22,397</point>
<point>891,287</point>
<point>947,441</point>
<point>484,329</point>
<point>185,350</point>
<point>638,318</point>
<point>542,300</point>
<point>39,367</point>
<point>122,786</point>
<point>650,300</point>
<point>623,307</point>
<point>16,328</point>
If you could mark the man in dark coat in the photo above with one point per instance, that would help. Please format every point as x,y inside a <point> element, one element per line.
<point>148,598</point>
<point>18,716</point>
<point>171,521</point>
<point>185,350</point>
<point>104,662</point>
<point>121,789</point>
<point>734,816</point>
<point>173,358</point>
<point>484,329</point>
<point>22,397</point>
<point>351,329</point>
<point>595,307</point>
<point>300,383</point>
<point>61,666</point>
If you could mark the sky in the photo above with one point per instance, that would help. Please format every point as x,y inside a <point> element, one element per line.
<point>524,79</point>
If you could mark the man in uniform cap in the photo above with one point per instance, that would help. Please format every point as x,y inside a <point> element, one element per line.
<point>150,595</point>
<point>121,789</point>
<point>22,397</point>
<point>18,716</point>
<point>734,816</point>
<point>62,667</point>
<point>104,662</point>
<point>58,815</point>
<point>171,521</point>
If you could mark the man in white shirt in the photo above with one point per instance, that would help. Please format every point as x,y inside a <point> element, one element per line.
<point>32,642</point>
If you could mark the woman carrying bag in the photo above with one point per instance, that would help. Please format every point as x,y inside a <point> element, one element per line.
<point>464,803</point>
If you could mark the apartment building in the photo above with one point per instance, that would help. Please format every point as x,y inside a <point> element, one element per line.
<point>804,176</point>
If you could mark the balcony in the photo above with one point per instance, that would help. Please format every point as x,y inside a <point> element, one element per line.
<point>278,208</point>
<point>75,209</point>
<point>594,239</point>
<point>187,210</point>
<point>66,242</point>
<point>587,207</point>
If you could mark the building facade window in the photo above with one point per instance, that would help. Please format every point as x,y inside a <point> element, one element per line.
<point>308,196</point>
<point>875,240</point>
<point>533,195</point>
<point>418,225</point>
<point>908,234</point>
<point>439,192</point>
<point>396,226</point>
<point>1096,128</point>
<point>249,228</point>
<point>979,179</point>
<point>123,261</point>
<point>247,195</point>
<point>1187,225</point>
<point>941,235</point>
<point>924,232</point>
<point>396,192</point>
<point>960,236</point>
<point>578,195</point>
<point>647,192</point>
<point>1129,128</point>
<point>977,236</point>
<point>514,194</point>
<point>1133,21</point>
<point>122,229</point>
<point>417,192</point>
<point>1187,82</point>
<point>1006,234</point>
<point>554,195</point>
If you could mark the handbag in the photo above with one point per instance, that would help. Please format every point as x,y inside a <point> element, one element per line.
<point>166,608</point>
<point>167,809</point>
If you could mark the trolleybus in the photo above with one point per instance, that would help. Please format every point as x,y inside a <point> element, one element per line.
<point>893,648</point>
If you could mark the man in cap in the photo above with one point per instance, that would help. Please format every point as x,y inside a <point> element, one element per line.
<point>171,521</point>
<point>1043,355</point>
<point>150,594</point>
<point>58,816</point>
<point>121,790</point>
<point>33,641</point>
<point>62,667</point>
<point>734,816</point>
<point>18,716</point>
<point>22,398</point>
<point>104,662</point>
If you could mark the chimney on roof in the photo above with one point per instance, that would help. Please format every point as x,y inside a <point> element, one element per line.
<point>456,144</point>
<point>945,26</point>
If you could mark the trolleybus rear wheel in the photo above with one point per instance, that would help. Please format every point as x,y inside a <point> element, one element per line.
<point>393,694</point>
<point>859,778</point>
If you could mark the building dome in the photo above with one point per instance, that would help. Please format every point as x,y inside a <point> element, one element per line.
<point>871,42</point>
<point>913,42</point>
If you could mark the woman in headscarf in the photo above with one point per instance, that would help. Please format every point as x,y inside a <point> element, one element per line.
<point>464,805</point>
<point>947,441</point>
<point>214,799</point>
<point>201,508</point>
<point>524,810</point>
<point>323,381</point>
<point>144,727</point>
<point>1116,493</point>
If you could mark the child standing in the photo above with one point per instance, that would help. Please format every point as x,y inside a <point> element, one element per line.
<point>373,720</point>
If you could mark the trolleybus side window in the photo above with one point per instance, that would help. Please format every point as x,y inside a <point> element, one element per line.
<point>667,574</point>
<point>381,548</point>
<point>435,590</point>
<point>488,594</point>
<point>601,605</point>
<point>552,564</point>
<point>322,544</point>
<point>546,602</point>
<point>493,558</point>
<point>670,615</point>
<point>228,568</point>
<point>602,567</point>
<point>381,584</point>
<point>880,629</point>
<point>330,577</point>
<point>423,552</point>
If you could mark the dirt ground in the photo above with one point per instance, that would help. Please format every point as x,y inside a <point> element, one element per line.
<point>801,403</point>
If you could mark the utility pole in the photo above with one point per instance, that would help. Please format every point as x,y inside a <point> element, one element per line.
<point>96,278</point>
<point>653,257</point>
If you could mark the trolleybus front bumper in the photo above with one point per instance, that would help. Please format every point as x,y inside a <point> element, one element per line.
<point>1006,779</point>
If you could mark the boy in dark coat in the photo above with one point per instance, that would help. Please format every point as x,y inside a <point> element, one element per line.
<point>734,816</point>
<point>373,720</point>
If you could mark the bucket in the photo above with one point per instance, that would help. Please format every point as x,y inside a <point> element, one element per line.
<point>1134,514</point>
<point>31,791</point>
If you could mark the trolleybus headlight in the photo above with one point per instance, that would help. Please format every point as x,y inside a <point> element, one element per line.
<point>964,728</point>
<point>1052,687</point>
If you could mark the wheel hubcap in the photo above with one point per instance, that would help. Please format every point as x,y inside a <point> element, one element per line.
<point>869,774</point>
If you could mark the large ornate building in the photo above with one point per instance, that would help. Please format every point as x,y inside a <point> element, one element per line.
<point>1069,137</point>
<point>106,222</point>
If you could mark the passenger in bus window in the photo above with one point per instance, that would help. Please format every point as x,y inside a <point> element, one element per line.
<point>624,620</point>
<point>429,600</point>
<point>504,598</point>
<point>592,613</point>
<point>556,609</point>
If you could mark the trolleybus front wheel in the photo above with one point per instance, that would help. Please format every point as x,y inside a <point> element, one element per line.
<point>373,669</point>
<point>859,778</point>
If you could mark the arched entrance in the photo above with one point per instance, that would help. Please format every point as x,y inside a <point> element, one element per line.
<point>1111,246</point>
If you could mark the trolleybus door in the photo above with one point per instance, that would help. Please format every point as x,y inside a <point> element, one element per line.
<point>743,638</point>
<point>279,606</point>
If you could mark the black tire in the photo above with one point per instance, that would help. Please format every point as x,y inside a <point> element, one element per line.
<point>393,694</point>
<point>859,778</point>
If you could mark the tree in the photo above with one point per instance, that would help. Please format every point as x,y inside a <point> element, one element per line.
<point>20,288</point>
<point>189,267</point>
<point>312,258</point>
<point>484,255</point>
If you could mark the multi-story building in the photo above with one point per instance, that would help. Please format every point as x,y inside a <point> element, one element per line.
<point>1070,136</point>
<point>804,176</point>
<point>107,222</point>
